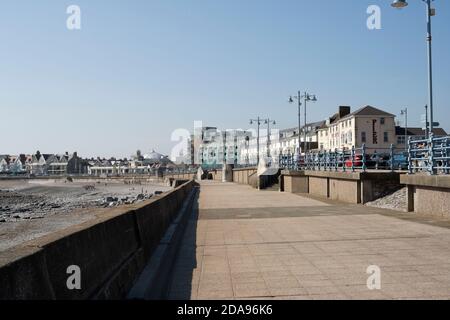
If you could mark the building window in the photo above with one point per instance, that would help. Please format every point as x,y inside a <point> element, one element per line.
<point>401,139</point>
<point>363,137</point>
<point>382,120</point>
<point>386,137</point>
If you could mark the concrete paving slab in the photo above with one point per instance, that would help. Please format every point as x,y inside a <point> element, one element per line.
<point>247,244</point>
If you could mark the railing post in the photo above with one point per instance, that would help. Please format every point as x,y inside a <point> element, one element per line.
<point>289,161</point>
<point>323,160</point>
<point>364,166</point>
<point>328,160</point>
<point>410,166</point>
<point>353,158</point>
<point>343,160</point>
<point>391,157</point>
<point>307,162</point>
<point>375,155</point>
<point>431,165</point>
<point>336,159</point>
<point>446,162</point>
<point>318,161</point>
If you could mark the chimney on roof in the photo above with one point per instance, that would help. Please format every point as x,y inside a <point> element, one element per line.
<point>343,111</point>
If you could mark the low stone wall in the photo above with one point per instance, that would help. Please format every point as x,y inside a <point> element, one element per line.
<point>350,187</point>
<point>428,194</point>
<point>242,175</point>
<point>217,175</point>
<point>294,182</point>
<point>345,190</point>
<point>181,176</point>
<point>318,186</point>
<point>110,251</point>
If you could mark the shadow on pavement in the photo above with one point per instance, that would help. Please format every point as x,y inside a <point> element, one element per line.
<point>180,285</point>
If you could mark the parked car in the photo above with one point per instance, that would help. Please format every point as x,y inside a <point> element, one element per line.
<point>382,161</point>
<point>358,162</point>
<point>401,161</point>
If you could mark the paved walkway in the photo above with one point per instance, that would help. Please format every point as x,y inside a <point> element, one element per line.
<point>243,243</point>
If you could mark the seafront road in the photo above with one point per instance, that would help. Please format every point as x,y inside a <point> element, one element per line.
<point>241,243</point>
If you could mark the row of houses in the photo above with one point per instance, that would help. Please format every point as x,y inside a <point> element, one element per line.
<point>42,164</point>
<point>71,164</point>
<point>369,126</point>
<point>151,163</point>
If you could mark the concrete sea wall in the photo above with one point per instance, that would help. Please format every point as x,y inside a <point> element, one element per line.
<point>110,251</point>
<point>349,187</point>
<point>428,194</point>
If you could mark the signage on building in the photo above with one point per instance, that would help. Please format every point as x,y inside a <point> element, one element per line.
<point>374,132</point>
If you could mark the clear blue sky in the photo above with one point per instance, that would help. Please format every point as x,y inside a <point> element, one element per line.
<point>139,69</point>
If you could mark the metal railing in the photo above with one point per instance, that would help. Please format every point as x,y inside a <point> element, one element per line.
<point>348,160</point>
<point>430,155</point>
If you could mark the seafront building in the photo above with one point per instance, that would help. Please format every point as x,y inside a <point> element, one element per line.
<point>368,125</point>
<point>344,130</point>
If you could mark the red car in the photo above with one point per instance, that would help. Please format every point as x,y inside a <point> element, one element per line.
<point>358,163</point>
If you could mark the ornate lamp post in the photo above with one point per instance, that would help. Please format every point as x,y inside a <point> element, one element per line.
<point>431,12</point>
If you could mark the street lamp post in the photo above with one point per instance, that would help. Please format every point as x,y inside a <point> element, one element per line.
<point>307,97</point>
<point>299,99</point>
<point>312,98</point>
<point>404,112</point>
<point>258,122</point>
<point>430,13</point>
<point>269,122</point>
<point>225,162</point>
<point>247,142</point>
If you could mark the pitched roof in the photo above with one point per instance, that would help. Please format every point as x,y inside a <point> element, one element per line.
<point>419,131</point>
<point>316,124</point>
<point>46,155</point>
<point>369,111</point>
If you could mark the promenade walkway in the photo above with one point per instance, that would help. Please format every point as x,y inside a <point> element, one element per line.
<point>242,243</point>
